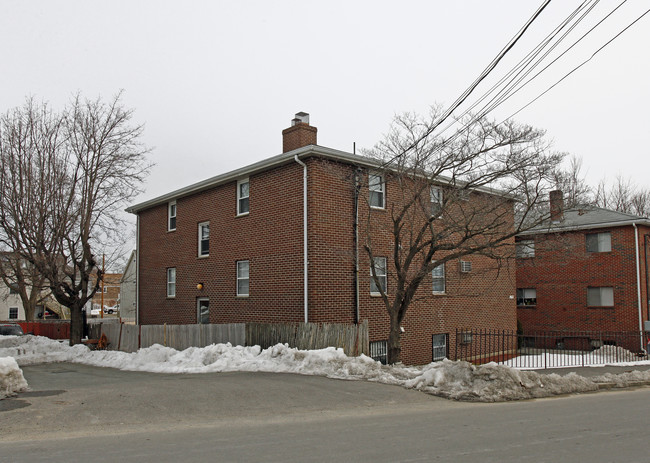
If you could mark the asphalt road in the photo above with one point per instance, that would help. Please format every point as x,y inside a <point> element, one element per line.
<point>79,413</point>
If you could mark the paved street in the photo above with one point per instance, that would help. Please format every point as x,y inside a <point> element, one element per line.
<point>79,413</point>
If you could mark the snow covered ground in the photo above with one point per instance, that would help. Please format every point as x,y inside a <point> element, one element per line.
<point>598,357</point>
<point>455,380</point>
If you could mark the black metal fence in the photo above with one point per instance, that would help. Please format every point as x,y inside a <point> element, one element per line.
<point>549,349</point>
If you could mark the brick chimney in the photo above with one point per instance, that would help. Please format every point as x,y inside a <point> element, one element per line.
<point>299,134</point>
<point>556,200</point>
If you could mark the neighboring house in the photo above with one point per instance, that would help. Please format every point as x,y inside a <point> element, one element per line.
<point>11,306</point>
<point>587,269</point>
<point>128,290</point>
<point>110,290</point>
<point>245,247</point>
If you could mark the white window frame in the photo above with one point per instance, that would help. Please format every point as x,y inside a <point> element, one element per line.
<point>201,239</point>
<point>241,198</point>
<point>525,249</point>
<point>436,200</point>
<point>380,264</point>
<point>376,188</point>
<point>171,282</point>
<point>170,215</point>
<point>603,294</point>
<point>242,278</point>
<point>603,242</point>
<point>524,294</point>
<point>438,274</point>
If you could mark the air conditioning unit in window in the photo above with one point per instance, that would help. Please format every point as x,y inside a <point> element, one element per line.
<point>465,266</point>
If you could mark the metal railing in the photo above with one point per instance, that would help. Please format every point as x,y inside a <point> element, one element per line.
<point>549,349</point>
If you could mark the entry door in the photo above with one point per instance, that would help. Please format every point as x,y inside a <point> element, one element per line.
<point>203,310</point>
<point>439,347</point>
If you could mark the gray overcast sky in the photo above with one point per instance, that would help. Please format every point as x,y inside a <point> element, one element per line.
<point>216,82</point>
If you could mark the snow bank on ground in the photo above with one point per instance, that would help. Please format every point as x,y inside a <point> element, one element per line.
<point>11,378</point>
<point>454,380</point>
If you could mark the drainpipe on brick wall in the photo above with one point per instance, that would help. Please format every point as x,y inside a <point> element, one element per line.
<point>304,237</point>
<point>638,283</point>
<point>357,185</point>
<point>137,269</point>
<point>646,242</point>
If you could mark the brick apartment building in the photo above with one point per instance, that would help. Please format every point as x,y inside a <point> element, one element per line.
<point>275,242</point>
<point>585,270</point>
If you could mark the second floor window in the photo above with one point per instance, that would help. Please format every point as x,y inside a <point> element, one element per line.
<point>204,239</point>
<point>243,204</point>
<point>600,297</point>
<point>376,191</point>
<point>525,249</point>
<point>599,242</point>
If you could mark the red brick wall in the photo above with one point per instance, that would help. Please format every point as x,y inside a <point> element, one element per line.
<point>480,299</point>
<point>271,238</point>
<point>562,270</point>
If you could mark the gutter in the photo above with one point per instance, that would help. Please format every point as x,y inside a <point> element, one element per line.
<point>638,283</point>
<point>304,237</point>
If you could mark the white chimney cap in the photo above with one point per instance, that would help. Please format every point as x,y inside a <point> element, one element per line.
<point>301,117</point>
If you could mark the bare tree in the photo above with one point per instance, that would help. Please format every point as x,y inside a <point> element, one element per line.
<point>623,196</point>
<point>66,176</point>
<point>571,181</point>
<point>451,198</point>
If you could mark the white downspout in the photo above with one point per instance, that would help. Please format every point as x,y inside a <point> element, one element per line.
<point>638,282</point>
<point>137,269</point>
<point>304,237</point>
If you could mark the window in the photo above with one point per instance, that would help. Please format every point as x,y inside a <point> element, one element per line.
<point>243,204</point>
<point>203,310</point>
<point>13,313</point>
<point>526,296</point>
<point>379,351</point>
<point>171,282</point>
<point>105,289</point>
<point>438,275</point>
<point>435,194</point>
<point>13,288</point>
<point>376,190</point>
<point>171,216</point>
<point>599,242</point>
<point>525,249</point>
<point>380,270</point>
<point>243,271</point>
<point>204,239</point>
<point>600,297</point>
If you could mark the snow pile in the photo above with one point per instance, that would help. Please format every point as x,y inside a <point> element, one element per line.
<point>494,383</point>
<point>11,378</point>
<point>605,355</point>
<point>454,380</point>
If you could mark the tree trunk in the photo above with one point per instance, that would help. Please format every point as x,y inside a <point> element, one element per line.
<point>76,324</point>
<point>394,342</point>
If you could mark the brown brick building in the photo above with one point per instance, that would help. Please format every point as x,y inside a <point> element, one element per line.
<point>585,270</point>
<point>241,247</point>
